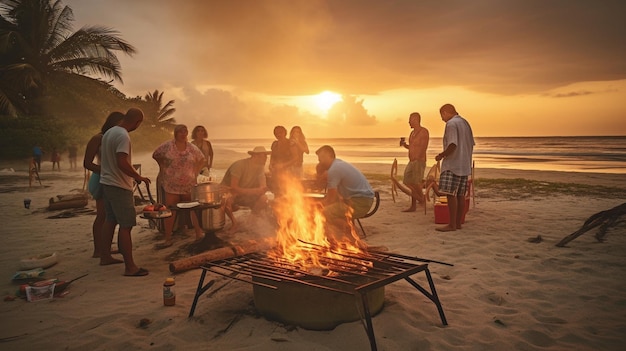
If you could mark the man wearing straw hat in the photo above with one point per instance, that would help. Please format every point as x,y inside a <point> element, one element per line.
<point>246,183</point>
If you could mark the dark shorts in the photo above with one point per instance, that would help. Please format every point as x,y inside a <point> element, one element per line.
<point>452,184</point>
<point>119,205</point>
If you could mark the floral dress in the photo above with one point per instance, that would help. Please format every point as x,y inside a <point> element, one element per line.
<point>178,168</point>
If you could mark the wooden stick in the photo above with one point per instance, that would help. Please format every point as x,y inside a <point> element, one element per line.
<point>185,264</point>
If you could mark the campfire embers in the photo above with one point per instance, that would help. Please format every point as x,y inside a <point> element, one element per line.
<point>324,298</point>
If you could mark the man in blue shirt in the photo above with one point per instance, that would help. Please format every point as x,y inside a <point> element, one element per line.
<point>348,193</point>
<point>458,144</point>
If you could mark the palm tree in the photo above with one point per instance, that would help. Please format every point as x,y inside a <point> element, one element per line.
<point>156,113</point>
<point>36,40</point>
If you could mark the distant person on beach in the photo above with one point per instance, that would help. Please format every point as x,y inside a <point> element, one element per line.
<point>246,184</point>
<point>179,165</point>
<point>414,171</point>
<point>458,145</point>
<point>347,190</point>
<point>56,159</point>
<point>37,154</point>
<point>299,147</point>
<point>199,137</point>
<point>72,154</point>
<point>281,159</point>
<point>92,152</point>
<point>117,178</point>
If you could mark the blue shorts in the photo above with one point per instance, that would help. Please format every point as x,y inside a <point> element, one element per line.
<point>452,184</point>
<point>94,187</point>
<point>119,205</point>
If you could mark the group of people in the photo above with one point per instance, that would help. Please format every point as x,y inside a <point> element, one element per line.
<point>456,165</point>
<point>55,157</point>
<point>348,193</point>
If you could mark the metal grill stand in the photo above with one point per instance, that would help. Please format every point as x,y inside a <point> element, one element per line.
<point>356,274</point>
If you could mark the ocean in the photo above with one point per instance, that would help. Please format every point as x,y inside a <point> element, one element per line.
<point>600,154</point>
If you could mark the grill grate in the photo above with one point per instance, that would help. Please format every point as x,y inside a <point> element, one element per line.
<point>352,273</point>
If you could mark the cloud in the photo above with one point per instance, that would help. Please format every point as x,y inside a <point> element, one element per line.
<point>366,46</point>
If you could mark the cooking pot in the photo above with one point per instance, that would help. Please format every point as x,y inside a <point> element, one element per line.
<point>213,219</point>
<point>207,193</point>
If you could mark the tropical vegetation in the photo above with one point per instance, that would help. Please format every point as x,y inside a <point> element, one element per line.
<point>52,91</point>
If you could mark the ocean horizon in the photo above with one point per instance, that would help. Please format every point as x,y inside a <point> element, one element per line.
<point>601,154</point>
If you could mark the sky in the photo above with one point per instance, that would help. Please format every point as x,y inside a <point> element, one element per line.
<point>241,67</point>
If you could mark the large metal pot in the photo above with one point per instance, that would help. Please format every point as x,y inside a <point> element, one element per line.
<point>213,219</point>
<point>207,193</point>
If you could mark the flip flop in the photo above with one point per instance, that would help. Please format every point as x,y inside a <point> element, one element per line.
<point>140,273</point>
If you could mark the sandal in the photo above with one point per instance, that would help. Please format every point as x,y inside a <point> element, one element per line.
<point>140,273</point>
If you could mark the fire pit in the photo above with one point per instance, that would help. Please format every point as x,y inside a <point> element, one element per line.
<point>318,275</point>
<point>360,277</point>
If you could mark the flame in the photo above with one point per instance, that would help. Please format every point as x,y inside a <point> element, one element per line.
<point>303,237</point>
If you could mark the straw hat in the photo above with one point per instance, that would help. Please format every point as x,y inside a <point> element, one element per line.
<point>259,150</point>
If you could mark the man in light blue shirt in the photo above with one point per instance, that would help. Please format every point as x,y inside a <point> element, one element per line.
<point>348,193</point>
<point>458,144</point>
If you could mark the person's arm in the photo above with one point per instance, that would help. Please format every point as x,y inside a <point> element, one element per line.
<point>331,196</point>
<point>447,152</point>
<point>128,169</point>
<point>90,154</point>
<point>210,160</point>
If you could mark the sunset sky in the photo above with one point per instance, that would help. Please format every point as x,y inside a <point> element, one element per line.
<point>512,68</point>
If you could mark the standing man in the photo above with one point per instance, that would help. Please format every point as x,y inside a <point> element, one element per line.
<point>458,144</point>
<point>414,171</point>
<point>347,190</point>
<point>117,178</point>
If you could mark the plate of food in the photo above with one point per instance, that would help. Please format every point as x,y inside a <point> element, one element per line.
<point>156,211</point>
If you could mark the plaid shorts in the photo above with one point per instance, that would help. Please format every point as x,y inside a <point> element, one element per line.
<point>452,184</point>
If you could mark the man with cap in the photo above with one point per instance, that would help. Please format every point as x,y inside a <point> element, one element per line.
<point>246,183</point>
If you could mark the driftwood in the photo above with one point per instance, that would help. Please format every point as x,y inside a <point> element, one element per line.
<point>603,219</point>
<point>185,264</point>
<point>62,202</point>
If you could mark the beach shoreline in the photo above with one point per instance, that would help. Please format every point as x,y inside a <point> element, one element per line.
<point>503,291</point>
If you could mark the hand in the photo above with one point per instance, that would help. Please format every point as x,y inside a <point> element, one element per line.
<point>143,179</point>
<point>438,157</point>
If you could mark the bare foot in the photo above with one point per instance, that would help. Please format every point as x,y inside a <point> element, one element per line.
<point>410,209</point>
<point>109,261</point>
<point>447,228</point>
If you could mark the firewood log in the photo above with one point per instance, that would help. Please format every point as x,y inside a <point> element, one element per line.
<point>196,261</point>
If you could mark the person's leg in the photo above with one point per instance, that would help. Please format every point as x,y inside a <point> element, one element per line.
<point>228,203</point>
<point>449,185</point>
<point>460,209</point>
<point>170,201</point>
<point>96,229</point>
<point>125,244</point>
<point>195,220</point>
<point>108,231</point>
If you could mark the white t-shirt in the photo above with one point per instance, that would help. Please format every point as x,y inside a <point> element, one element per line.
<point>459,133</point>
<point>115,140</point>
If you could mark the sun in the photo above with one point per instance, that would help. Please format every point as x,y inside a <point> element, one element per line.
<point>326,99</point>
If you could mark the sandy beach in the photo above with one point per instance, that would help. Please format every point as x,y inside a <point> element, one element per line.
<point>503,292</point>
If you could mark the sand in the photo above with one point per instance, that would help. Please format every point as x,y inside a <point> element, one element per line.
<point>503,292</point>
